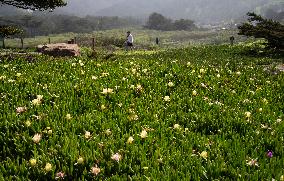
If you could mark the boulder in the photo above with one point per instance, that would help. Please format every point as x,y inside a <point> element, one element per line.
<point>59,49</point>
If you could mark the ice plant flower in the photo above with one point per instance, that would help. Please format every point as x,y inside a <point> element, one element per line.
<point>95,170</point>
<point>28,123</point>
<point>60,175</point>
<point>37,138</point>
<point>87,135</point>
<point>176,126</point>
<point>20,110</point>
<point>167,98</point>
<point>204,155</point>
<point>116,157</point>
<point>36,102</point>
<point>252,162</point>
<point>269,154</point>
<point>194,93</point>
<point>80,160</point>
<point>248,114</point>
<point>48,167</point>
<point>68,116</point>
<point>171,84</point>
<point>202,71</point>
<point>33,162</point>
<point>130,140</point>
<point>143,134</point>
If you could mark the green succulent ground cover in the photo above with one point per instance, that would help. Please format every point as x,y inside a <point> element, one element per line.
<point>200,113</point>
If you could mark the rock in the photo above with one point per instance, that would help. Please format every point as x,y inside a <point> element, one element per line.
<point>59,49</point>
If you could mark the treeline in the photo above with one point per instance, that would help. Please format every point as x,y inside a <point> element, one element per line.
<point>157,21</point>
<point>34,25</point>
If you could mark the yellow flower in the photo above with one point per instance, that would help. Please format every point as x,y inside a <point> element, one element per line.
<point>176,126</point>
<point>28,123</point>
<point>167,98</point>
<point>87,135</point>
<point>282,178</point>
<point>68,116</point>
<point>37,138</point>
<point>103,107</point>
<point>32,162</point>
<point>2,77</point>
<point>202,71</point>
<point>108,132</point>
<point>130,140</point>
<point>36,102</point>
<point>247,114</point>
<point>80,160</point>
<point>18,75</point>
<point>48,167</point>
<point>194,93</point>
<point>204,154</point>
<point>49,132</point>
<point>143,134</point>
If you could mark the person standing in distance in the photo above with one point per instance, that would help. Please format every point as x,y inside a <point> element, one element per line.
<point>129,41</point>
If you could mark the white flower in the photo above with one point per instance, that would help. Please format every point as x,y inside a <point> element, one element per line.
<point>130,140</point>
<point>252,162</point>
<point>279,120</point>
<point>37,138</point>
<point>18,75</point>
<point>116,157</point>
<point>94,78</point>
<point>39,97</point>
<point>218,75</point>
<point>21,110</point>
<point>36,102</point>
<point>95,170</point>
<point>171,84</point>
<point>238,73</point>
<point>194,93</point>
<point>143,134</point>
<point>105,91</point>
<point>87,135</point>
<point>167,98</point>
<point>48,167</point>
<point>282,178</point>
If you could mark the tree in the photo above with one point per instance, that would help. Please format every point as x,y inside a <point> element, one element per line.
<point>157,21</point>
<point>6,31</point>
<point>35,4</point>
<point>268,29</point>
<point>184,24</point>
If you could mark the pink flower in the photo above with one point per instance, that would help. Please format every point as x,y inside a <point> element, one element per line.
<point>95,170</point>
<point>60,175</point>
<point>116,157</point>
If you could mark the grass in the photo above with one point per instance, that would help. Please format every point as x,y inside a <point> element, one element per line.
<point>210,113</point>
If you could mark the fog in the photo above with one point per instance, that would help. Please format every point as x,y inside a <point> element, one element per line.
<point>201,11</point>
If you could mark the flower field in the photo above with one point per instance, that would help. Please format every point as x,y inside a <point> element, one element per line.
<point>200,113</point>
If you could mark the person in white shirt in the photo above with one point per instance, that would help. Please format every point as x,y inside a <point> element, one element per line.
<point>129,41</point>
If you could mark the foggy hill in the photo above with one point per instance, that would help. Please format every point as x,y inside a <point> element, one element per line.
<point>204,11</point>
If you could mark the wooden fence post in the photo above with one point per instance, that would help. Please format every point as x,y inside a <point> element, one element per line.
<point>75,40</point>
<point>4,43</point>
<point>93,43</point>
<point>22,43</point>
<point>49,40</point>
